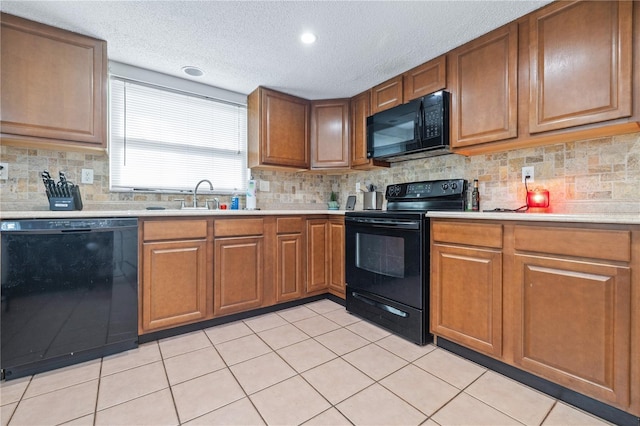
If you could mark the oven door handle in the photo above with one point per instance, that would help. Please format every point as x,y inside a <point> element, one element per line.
<point>379,305</point>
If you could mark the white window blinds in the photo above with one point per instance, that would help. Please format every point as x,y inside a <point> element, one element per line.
<point>167,140</point>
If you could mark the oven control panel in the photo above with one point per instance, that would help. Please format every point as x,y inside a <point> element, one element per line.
<point>426,189</point>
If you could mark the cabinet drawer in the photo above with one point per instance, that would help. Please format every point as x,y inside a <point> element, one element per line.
<point>471,234</point>
<point>174,229</point>
<point>289,225</point>
<point>238,227</point>
<point>592,243</point>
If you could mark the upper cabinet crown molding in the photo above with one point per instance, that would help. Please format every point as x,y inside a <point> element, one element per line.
<point>54,85</point>
<point>580,63</point>
<point>484,88</point>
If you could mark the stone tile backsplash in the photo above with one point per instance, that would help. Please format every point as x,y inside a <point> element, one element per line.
<point>600,175</point>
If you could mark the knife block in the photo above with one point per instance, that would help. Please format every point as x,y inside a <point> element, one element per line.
<point>66,203</point>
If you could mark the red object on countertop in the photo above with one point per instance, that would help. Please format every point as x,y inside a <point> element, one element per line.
<point>538,198</point>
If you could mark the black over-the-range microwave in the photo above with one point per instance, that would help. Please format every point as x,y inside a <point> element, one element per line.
<point>416,129</point>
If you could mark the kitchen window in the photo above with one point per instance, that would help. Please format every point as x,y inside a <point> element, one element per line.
<point>166,140</point>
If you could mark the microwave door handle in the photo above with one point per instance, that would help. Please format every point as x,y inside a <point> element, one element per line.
<point>417,128</point>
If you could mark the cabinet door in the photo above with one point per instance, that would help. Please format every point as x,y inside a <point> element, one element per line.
<point>289,267</point>
<point>238,279</point>
<point>580,64</point>
<point>574,324</point>
<point>278,130</point>
<point>360,110</point>
<point>466,297</point>
<point>330,134</point>
<point>174,287</point>
<point>386,95</point>
<point>424,79</point>
<point>53,83</point>
<point>317,256</point>
<point>336,256</point>
<point>483,88</point>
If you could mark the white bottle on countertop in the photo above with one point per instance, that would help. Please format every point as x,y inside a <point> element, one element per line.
<point>251,195</point>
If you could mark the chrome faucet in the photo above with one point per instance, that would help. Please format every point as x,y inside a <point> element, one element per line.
<point>195,192</point>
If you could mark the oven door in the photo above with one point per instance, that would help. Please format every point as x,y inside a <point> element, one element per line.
<point>387,257</point>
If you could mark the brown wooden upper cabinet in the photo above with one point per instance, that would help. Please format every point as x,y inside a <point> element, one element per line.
<point>53,85</point>
<point>361,109</point>
<point>424,79</point>
<point>330,134</point>
<point>278,130</point>
<point>483,83</point>
<point>580,64</point>
<point>386,95</point>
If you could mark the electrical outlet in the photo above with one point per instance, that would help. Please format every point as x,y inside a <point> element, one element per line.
<point>357,186</point>
<point>87,176</point>
<point>527,171</point>
<point>264,186</point>
<point>4,171</point>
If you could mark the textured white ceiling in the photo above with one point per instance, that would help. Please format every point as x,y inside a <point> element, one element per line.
<point>243,44</point>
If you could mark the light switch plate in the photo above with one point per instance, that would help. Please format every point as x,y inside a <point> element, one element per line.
<point>264,186</point>
<point>4,171</point>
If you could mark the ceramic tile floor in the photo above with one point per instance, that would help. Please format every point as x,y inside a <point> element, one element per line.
<point>313,364</point>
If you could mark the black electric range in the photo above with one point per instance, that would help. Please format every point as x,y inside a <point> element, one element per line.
<point>387,255</point>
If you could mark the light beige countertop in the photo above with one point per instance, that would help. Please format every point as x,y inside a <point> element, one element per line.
<point>47,214</point>
<point>611,218</point>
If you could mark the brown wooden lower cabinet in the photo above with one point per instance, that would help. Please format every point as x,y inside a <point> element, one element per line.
<point>317,256</point>
<point>238,283</point>
<point>561,298</point>
<point>574,324</point>
<point>174,273</point>
<point>325,256</point>
<point>467,296</point>
<point>201,268</point>
<point>290,259</point>
<point>174,279</point>
<point>336,257</point>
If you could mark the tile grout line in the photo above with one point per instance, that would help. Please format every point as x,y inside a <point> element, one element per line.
<point>166,375</point>
<point>297,374</point>
<point>95,407</point>
<point>246,395</point>
<point>19,401</point>
<point>369,342</point>
<point>331,405</point>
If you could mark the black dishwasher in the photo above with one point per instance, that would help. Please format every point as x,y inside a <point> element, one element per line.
<point>69,292</point>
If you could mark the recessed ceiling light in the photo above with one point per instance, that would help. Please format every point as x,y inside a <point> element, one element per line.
<point>193,71</point>
<point>308,38</point>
